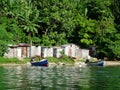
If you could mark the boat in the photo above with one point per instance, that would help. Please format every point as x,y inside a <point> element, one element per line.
<point>99,63</point>
<point>40,63</point>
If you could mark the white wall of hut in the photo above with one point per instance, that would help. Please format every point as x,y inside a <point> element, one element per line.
<point>27,51</point>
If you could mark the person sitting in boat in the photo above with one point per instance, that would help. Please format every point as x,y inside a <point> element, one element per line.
<point>87,59</point>
<point>32,60</point>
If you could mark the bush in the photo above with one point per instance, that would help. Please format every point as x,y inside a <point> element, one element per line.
<point>3,47</point>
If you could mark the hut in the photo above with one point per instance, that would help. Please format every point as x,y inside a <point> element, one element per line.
<point>35,51</point>
<point>71,50</point>
<point>25,50</point>
<point>57,52</point>
<point>46,52</point>
<point>19,51</point>
<point>84,53</point>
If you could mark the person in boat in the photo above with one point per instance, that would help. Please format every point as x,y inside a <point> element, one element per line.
<point>87,59</point>
<point>32,59</point>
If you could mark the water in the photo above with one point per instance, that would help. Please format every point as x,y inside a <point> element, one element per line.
<point>59,78</point>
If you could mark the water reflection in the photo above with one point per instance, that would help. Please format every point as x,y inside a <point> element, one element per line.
<point>59,78</point>
<point>43,78</point>
<point>56,78</point>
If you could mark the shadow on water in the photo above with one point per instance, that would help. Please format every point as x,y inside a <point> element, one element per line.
<point>59,78</point>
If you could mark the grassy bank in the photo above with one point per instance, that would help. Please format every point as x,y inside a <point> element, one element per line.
<point>64,59</point>
<point>13,60</point>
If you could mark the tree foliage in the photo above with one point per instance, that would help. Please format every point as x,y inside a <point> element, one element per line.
<point>57,22</point>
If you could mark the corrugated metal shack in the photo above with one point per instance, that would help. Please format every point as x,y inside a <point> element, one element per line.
<point>57,52</point>
<point>19,51</point>
<point>46,52</point>
<point>25,50</point>
<point>72,50</point>
<point>35,50</point>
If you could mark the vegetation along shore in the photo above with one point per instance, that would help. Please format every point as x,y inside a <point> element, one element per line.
<point>54,61</point>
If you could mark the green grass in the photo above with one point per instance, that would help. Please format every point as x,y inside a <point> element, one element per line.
<point>64,59</point>
<point>13,60</point>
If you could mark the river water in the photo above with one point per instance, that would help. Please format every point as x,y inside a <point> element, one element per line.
<point>23,77</point>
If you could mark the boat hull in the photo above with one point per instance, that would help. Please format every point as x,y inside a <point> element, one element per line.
<point>100,63</point>
<point>41,63</point>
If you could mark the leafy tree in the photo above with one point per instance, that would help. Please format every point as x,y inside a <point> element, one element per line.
<point>115,8</point>
<point>28,19</point>
<point>56,22</point>
<point>85,30</point>
<point>5,38</point>
<point>114,46</point>
<point>10,12</point>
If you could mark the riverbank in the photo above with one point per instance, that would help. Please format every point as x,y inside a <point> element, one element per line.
<point>78,64</point>
<point>82,64</point>
<point>111,63</point>
<point>54,62</point>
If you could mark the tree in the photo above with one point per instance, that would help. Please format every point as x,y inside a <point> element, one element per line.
<point>28,19</point>
<point>55,22</point>
<point>5,37</point>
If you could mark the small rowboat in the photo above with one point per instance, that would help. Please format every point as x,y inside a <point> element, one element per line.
<point>40,63</point>
<point>100,63</point>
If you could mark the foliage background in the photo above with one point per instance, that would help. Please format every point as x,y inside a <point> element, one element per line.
<point>57,22</point>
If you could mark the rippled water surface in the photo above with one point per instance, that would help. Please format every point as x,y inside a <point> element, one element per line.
<point>59,78</point>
